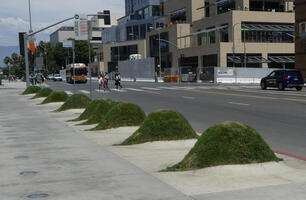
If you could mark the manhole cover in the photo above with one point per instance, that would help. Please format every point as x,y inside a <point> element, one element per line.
<point>37,196</point>
<point>21,157</point>
<point>26,173</point>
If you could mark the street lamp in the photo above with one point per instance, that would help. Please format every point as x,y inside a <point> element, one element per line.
<point>233,33</point>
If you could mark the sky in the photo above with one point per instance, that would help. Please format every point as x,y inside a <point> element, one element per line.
<point>14,15</point>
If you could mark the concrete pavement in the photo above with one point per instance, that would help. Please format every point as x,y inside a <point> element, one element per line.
<point>66,165</point>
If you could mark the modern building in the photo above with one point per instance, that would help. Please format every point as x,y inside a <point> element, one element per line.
<point>141,16</point>
<point>97,26</point>
<point>61,34</point>
<point>300,35</point>
<point>226,33</point>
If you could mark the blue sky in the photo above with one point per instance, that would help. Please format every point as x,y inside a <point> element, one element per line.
<point>14,15</point>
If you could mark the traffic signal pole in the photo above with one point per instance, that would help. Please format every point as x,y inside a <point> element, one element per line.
<point>26,58</point>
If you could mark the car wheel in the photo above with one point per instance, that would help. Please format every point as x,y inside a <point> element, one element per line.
<point>299,88</point>
<point>281,86</point>
<point>263,85</point>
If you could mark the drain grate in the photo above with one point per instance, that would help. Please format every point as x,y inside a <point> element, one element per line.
<point>26,173</point>
<point>37,196</point>
<point>21,157</point>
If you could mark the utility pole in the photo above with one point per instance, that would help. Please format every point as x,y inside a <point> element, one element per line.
<point>159,52</point>
<point>89,57</point>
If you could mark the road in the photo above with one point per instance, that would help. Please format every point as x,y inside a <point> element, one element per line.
<point>279,116</point>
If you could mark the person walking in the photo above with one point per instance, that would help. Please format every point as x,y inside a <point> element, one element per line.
<point>117,80</point>
<point>101,82</point>
<point>106,78</point>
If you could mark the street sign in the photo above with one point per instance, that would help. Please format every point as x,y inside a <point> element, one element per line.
<point>163,44</point>
<point>67,44</point>
<point>39,62</point>
<point>80,27</point>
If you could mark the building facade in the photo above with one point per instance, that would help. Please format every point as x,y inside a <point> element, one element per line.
<point>227,33</point>
<point>300,35</point>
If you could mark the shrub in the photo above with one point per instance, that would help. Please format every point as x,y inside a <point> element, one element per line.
<point>100,112</point>
<point>224,144</point>
<point>56,96</point>
<point>75,101</point>
<point>44,92</point>
<point>162,125</point>
<point>31,90</point>
<point>123,114</point>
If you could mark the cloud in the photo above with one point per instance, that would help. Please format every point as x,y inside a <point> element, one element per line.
<point>14,15</point>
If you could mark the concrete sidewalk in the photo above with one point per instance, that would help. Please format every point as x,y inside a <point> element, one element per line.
<point>66,165</point>
<point>73,164</point>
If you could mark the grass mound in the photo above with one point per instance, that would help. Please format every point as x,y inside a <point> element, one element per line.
<point>75,101</point>
<point>44,92</point>
<point>123,114</point>
<point>224,144</point>
<point>31,90</point>
<point>162,125</point>
<point>89,110</point>
<point>56,96</point>
<point>100,112</point>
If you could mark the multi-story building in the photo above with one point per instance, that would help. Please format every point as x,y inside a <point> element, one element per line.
<point>97,26</point>
<point>227,33</point>
<point>300,35</point>
<point>141,16</point>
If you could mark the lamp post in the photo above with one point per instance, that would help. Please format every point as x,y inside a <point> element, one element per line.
<point>244,44</point>
<point>159,53</point>
<point>89,58</point>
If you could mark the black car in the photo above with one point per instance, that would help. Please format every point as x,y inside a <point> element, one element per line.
<point>282,79</point>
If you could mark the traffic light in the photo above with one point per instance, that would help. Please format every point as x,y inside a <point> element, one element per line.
<point>182,56</point>
<point>21,43</point>
<point>154,37</point>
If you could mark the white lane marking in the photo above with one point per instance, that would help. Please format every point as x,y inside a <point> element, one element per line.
<point>152,92</point>
<point>168,88</point>
<point>272,92</point>
<point>149,88</point>
<point>84,91</point>
<point>185,97</point>
<point>241,104</point>
<point>101,91</point>
<point>134,89</point>
<point>68,92</point>
<point>140,90</point>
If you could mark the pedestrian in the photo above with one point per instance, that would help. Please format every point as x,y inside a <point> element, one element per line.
<point>100,80</point>
<point>106,78</point>
<point>117,80</point>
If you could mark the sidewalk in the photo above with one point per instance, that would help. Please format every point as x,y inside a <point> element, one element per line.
<point>76,164</point>
<point>68,166</point>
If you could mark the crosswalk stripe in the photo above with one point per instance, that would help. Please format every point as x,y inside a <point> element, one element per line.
<point>84,91</point>
<point>149,88</point>
<point>134,89</point>
<point>68,92</point>
<point>168,88</point>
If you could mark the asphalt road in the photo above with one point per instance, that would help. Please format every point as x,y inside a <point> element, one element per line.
<point>279,116</point>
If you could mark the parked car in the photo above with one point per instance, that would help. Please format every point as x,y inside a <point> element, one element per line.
<point>50,77</point>
<point>282,79</point>
<point>57,77</point>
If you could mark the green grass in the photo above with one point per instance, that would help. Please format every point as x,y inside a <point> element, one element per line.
<point>75,101</point>
<point>44,92</point>
<point>162,125</point>
<point>123,114</point>
<point>31,90</point>
<point>224,144</point>
<point>56,96</point>
<point>99,112</point>
<point>89,109</point>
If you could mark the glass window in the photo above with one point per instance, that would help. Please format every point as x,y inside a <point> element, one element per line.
<point>226,6</point>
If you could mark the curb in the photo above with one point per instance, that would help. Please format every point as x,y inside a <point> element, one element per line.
<point>290,155</point>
